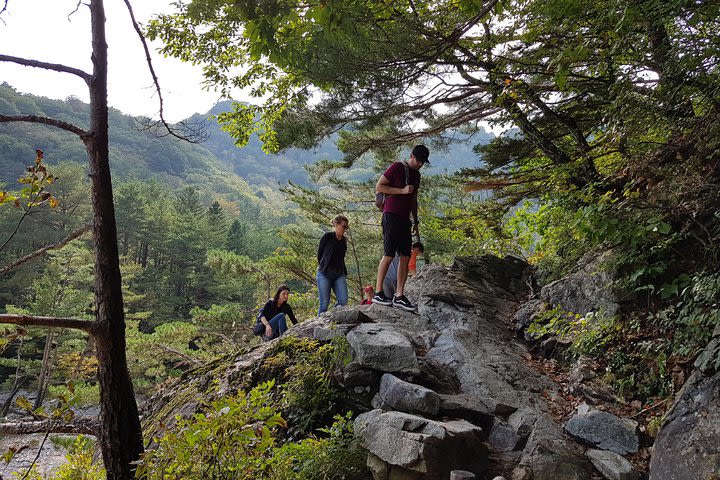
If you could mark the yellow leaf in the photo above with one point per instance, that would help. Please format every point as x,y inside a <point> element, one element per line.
<point>54,202</point>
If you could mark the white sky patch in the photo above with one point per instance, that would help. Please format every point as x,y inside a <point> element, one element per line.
<point>40,30</point>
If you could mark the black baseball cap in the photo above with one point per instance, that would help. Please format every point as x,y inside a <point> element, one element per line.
<point>421,153</point>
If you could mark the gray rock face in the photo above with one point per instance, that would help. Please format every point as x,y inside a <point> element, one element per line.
<point>612,465</point>
<point>396,394</point>
<point>605,431</point>
<point>526,314</point>
<point>418,448</point>
<point>381,347</point>
<point>325,334</point>
<point>549,456</point>
<point>467,407</point>
<point>586,290</point>
<point>503,437</point>
<point>523,422</point>
<point>355,375</point>
<point>472,304</point>
<point>688,444</point>
<point>347,315</point>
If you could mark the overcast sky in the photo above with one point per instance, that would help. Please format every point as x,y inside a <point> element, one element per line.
<point>41,30</point>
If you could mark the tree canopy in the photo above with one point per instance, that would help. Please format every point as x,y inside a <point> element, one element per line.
<point>580,80</point>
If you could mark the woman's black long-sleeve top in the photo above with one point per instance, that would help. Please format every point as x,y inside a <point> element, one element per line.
<point>331,255</point>
<point>270,310</point>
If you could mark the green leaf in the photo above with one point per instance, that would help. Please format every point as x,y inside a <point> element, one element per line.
<point>24,403</point>
<point>668,290</point>
<point>663,228</point>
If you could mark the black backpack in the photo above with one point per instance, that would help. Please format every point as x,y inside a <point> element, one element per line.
<point>380,197</point>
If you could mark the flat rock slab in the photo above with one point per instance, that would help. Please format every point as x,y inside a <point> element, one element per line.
<point>612,465</point>
<point>381,347</point>
<point>347,315</point>
<point>605,431</point>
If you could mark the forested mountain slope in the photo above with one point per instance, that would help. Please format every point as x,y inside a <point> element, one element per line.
<point>141,155</point>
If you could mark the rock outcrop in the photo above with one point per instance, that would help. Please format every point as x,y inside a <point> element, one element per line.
<point>452,385</point>
<point>688,444</point>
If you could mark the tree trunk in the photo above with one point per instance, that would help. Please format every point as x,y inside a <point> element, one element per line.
<point>44,369</point>
<point>120,433</point>
<point>19,383</point>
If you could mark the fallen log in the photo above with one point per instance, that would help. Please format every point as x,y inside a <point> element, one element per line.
<point>85,426</point>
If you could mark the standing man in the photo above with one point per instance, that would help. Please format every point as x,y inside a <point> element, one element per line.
<point>400,204</point>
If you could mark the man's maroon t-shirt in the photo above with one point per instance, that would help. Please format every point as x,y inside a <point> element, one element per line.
<point>400,204</point>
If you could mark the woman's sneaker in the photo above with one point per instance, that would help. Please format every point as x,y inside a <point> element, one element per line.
<point>403,302</point>
<point>381,299</point>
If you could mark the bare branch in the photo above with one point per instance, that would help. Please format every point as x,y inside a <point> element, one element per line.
<point>47,121</point>
<point>77,7</point>
<point>47,66</point>
<point>191,133</point>
<point>31,320</point>
<point>73,235</point>
<point>82,425</point>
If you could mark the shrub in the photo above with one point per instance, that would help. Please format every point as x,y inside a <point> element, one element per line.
<point>305,368</point>
<point>230,441</point>
<point>334,457</point>
<point>238,438</point>
<point>79,395</point>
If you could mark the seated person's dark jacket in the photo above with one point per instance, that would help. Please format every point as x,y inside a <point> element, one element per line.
<point>270,310</point>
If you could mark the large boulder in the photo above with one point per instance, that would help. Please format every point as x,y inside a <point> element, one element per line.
<point>396,394</point>
<point>383,348</point>
<point>548,455</point>
<point>604,430</point>
<point>688,444</point>
<point>586,290</point>
<point>415,448</point>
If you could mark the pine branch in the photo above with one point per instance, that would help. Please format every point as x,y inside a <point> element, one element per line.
<point>47,121</point>
<point>75,234</point>
<point>31,320</point>
<point>45,65</point>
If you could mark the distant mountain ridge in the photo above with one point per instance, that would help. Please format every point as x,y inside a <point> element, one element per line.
<point>138,154</point>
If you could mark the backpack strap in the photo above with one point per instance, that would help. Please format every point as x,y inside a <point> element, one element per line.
<point>407,173</point>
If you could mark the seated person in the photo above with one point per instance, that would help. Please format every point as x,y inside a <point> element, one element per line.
<point>272,315</point>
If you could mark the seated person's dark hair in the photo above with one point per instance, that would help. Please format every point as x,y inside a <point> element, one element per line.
<point>419,245</point>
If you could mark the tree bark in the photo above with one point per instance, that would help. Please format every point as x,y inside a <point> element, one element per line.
<point>120,431</point>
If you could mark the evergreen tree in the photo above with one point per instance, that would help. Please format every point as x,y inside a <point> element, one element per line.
<point>236,241</point>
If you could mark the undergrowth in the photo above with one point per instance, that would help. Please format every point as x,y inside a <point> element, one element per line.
<point>286,427</point>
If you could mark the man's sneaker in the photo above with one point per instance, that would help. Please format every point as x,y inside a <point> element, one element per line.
<point>381,299</point>
<point>403,302</point>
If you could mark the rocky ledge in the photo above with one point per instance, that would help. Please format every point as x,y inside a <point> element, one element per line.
<point>453,386</point>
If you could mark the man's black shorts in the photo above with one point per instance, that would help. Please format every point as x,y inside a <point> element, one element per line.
<point>397,236</point>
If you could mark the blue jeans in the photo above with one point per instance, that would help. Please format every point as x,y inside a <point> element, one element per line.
<point>279,326</point>
<point>338,285</point>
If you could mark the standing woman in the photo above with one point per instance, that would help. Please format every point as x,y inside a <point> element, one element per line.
<point>331,270</point>
<point>273,314</point>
